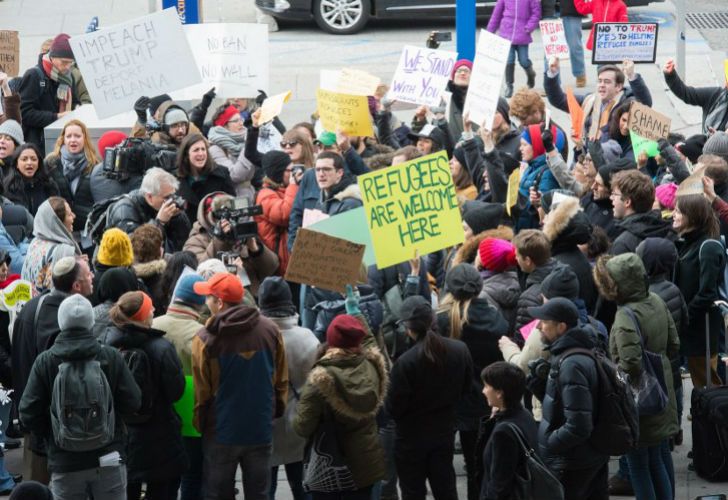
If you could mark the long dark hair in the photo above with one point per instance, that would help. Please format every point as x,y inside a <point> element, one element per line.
<point>175,265</point>
<point>614,132</point>
<point>433,346</point>
<point>699,214</point>
<point>184,169</point>
<point>14,179</point>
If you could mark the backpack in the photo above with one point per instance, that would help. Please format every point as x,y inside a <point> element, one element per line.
<point>137,360</point>
<point>96,222</point>
<point>82,406</point>
<point>616,421</point>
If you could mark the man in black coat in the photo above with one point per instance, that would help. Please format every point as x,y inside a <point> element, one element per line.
<point>339,190</point>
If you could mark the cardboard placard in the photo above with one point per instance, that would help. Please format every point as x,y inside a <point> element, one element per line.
<point>422,75</point>
<point>273,106</point>
<point>9,52</point>
<point>484,89</point>
<point>576,112</point>
<point>646,126</point>
<point>693,184</point>
<point>615,42</point>
<point>349,81</point>
<point>349,113</point>
<point>148,56</point>
<point>324,261</point>
<point>411,207</point>
<point>351,226</point>
<point>554,38</point>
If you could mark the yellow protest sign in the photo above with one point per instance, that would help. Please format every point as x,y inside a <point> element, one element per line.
<point>411,207</point>
<point>348,113</point>
<point>725,69</point>
<point>18,292</point>
<point>273,106</point>
<point>512,194</point>
<point>357,82</point>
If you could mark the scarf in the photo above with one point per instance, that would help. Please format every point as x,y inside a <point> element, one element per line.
<point>231,143</point>
<point>65,83</point>
<point>599,113</point>
<point>73,166</point>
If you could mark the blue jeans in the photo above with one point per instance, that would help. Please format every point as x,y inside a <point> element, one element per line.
<point>522,52</point>
<point>572,30</point>
<point>294,474</point>
<point>651,470</point>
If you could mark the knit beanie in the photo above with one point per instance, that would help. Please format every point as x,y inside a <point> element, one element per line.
<point>175,115</point>
<point>61,47</point>
<point>157,101</point>
<point>185,291</point>
<point>459,154</point>
<point>345,331</point>
<point>611,151</point>
<point>481,216</point>
<point>274,295</point>
<point>532,135</point>
<point>274,165</point>
<point>562,282</point>
<point>665,194</point>
<point>504,109</point>
<point>464,281</point>
<point>13,129</point>
<point>115,249</point>
<point>115,282</point>
<point>607,171</point>
<point>460,63</point>
<point>717,144</point>
<point>693,146</point>
<point>110,139</point>
<point>497,255</point>
<point>76,312</point>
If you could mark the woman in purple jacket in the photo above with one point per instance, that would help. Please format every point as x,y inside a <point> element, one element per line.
<point>514,20</point>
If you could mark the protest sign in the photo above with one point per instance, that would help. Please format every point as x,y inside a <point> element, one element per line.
<point>485,81</point>
<point>512,193</point>
<point>349,113</point>
<point>725,69</point>
<point>527,329</point>
<point>273,106</point>
<point>185,407</point>
<point>646,126</point>
<point>312,215</point>
<point>615,42</point>
<point>9,52</point>
<point>693,184</point>
<point>145,56</point>
<point>349,81</point>
<point>576,112</point>
<point>411,207</point>
<point>422,75</point>
<point>554,38</point>
<point>351,226</point>
<point>324,261</point>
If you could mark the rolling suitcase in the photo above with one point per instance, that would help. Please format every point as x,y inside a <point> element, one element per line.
<point>709,411</point>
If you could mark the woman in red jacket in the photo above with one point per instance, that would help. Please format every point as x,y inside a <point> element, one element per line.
<point>602,11</point>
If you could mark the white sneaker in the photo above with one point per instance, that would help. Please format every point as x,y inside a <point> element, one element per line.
<point>263,18</point>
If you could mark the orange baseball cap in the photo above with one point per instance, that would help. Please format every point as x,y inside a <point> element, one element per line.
<point>225,286</point>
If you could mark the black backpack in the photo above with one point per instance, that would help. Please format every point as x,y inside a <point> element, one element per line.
<point>616,421</point>
<point>96,222</point>
<point>139,365</point>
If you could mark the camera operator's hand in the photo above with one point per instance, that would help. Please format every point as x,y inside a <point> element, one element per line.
<point>140,106</point>
<point>297,175</point>
<point>167,211</point>
<point>253,246</point>
<point>225,226</point>
<point>208,97</point>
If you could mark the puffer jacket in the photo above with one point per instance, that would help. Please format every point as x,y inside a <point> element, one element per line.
<point>81,200</point>
<point>537,175</point>
<point>568,406</point>
<point>600,213</point>
<point>155,447</point>
<point>333,304</point>
<point>637,227</point>
<point>342,197</point>
<point>531,296</point>
<point>276,201</point>
<point>657,330</point>
<point>713,101</point>
<point>602,11</point>
<point>502,290</point>
<point>350,388</point>
<point>515,21</point>
<point>103,188</point>
<point>659,257</point>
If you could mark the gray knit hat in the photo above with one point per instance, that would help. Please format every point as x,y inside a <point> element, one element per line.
<point>175,115</point>
<point>76,312</point>
<point>717,144</point>
<point>13,129</point>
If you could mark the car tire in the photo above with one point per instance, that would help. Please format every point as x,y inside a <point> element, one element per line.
<point>341,17</point>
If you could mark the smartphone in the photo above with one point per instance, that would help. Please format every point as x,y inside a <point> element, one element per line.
<point>441,36</point>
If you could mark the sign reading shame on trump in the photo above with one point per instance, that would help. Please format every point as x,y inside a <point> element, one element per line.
<point>411,207</point>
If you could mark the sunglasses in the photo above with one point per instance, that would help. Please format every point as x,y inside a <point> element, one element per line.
<point>288,144</point>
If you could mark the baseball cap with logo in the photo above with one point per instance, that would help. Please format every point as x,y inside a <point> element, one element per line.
<point>225,286</point>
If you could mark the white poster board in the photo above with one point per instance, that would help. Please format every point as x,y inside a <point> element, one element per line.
<point>554,38</point>
<point>422,75</point>
<point>615,42</point>
<point>349,81</point>
<point>146,56</point>
<point>491,56</point>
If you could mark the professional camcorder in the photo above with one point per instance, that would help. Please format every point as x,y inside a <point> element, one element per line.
<point>238,213</point>
<point>135,156</point>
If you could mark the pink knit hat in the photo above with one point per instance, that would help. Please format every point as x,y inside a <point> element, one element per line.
<point>497,255</point>
<point>665,194</point>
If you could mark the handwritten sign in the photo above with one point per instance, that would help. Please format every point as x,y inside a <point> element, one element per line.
<point>9,52</point>
<point>576,112</point>
<point>512,193</point>
<point>273,106</point>
<point>350,113</point>
<point>422,75</point>
<point>554,38</point>
<point>323,261</point>
<point>349,81</point>
<point>615,42</point>
<point>145,56</point>
<point>411,207</point>
<point>485,81</point>
<point>646,126</point>
<point>350,225</point>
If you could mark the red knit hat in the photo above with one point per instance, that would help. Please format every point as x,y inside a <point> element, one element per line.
<point>226,116</point>
<point>345,332</point>
<point>110,139</point>
<point>61,47</point>
<point>497,255</point>
<point>459,63</point>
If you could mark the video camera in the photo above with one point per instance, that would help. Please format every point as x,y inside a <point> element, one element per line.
<point>135,156</point>
<point>238,213</point>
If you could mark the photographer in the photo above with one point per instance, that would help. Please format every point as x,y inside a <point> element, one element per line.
<point>211,236</point>
<point>173,124</point>
<point>104,187</point>
<point>154,202</point>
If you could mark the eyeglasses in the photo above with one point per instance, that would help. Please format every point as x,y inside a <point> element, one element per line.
<point>462,70</point>
<point>235,120</point>
<point>325,170</point>
<point>285,144</point>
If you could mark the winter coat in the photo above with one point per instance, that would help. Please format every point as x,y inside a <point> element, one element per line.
<point>533,348</point>
<point>29,193</point>
<point>307,197</point>
<point>515,21</point>
<point>16,251</point>
<point>658,332</point>
<point>160,136</point>
<point>502,290</point>
<point>382,280</point>
<point>600,213</point>
<point>637,227</point>
<point>301,350</point>
<point>180,326</point>
<point>498,164</point>
<point>155,447</point>
<point>81,201</point>
<point>567,227</point>
<point>602,11</point>
<point>241,377</point>
<point>103,188</point>
<point>52,242</point>
<point>276,202</point>
<point>327,305</point>
<point>697,274</point>
<point>195,189</point>
<point>712,100</point>
<point>537,172</point>
<point>36,400</point>
<point>340,198</point>
<point>102,321</point>
<point>568,406</point>
<point>240,168</point>
<point>480,333</point>
<point>133,211</point>
<point>531,296</point>
<point>150,274</point>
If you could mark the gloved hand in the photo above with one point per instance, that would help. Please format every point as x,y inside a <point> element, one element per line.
<point>140,106</point>
<point>548,140</point>
<point>262,96</point>
<point>662,144</point>
<point>208,97</point>
<point>352,301</point>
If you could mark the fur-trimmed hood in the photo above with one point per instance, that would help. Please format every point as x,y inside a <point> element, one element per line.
<point>567,224</point>
<point>469,249</point>
<point>350,191</point>
<point>353,385</point>
<point>149,269</point>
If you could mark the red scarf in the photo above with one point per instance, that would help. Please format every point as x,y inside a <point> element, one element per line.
<point>64,94</point>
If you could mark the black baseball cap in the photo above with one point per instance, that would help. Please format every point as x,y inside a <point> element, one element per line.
<point>414,308</point>
<point>557,309</point>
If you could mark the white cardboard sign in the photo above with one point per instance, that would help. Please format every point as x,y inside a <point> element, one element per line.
<point>554,38</point>
<point>422,75</point>
<point>491,56</point>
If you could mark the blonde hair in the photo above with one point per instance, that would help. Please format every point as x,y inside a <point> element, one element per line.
<point>457,310</point>
<point>92,157</point>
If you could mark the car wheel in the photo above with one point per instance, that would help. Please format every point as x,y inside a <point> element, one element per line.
<point>341,17</point>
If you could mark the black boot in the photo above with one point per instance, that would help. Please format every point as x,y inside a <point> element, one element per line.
<point>510,70</point>
<point>530,76</point>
